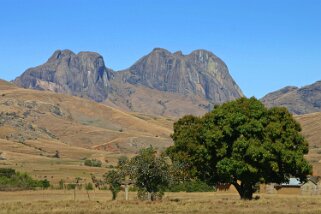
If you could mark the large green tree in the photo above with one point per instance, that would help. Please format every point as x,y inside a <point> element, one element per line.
<point>241,142</point>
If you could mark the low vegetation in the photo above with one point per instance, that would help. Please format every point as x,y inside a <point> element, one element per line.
<point>93,162</point>
<point>10,180</point>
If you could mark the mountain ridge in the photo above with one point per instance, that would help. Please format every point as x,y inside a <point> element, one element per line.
<point>304,100</point>
<point>171,84</point>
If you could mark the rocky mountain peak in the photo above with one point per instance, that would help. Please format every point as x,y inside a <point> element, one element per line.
<point>302,100</point>
<point>83,74</point>
<point>199,80</point>
<point>59,54</point>
<point>200,73</point>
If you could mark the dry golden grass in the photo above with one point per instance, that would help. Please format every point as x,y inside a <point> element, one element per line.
<point>59,201</point>
<point>311,129</point>
<point>84,129</point>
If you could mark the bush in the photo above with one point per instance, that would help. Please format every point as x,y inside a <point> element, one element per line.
<point>45,184</point>
<point>93,163</point>
<point>190,186</point>
<point>11,180</point>
<point>89,186</point>
<point>71,186</point>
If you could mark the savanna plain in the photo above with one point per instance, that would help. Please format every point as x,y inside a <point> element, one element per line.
<point>60,201</point>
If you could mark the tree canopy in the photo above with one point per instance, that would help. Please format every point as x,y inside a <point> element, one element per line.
<point>241,142</point>
<point>150,172</point>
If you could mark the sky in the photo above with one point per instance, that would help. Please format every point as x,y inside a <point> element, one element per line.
<point>266,44</point>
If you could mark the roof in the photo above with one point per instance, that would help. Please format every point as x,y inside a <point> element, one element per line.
<point>314,179</point>
<point>292,182</point>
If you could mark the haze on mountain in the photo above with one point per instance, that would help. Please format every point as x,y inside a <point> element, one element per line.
<point>161,83</point>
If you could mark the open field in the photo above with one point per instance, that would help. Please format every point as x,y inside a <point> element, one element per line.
<point>58,201</point>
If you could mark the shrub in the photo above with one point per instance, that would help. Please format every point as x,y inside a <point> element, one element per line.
<point>71,186</point>
<point>89,186</point>
<point>190,186</point>
<point>11,180</point>
<point>45,184</point>
<point>93,163</point>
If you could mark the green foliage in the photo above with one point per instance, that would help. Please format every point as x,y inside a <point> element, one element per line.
<point>89,186</point>
<point>93,163</point>
<point>150,172</point>
<point>241,142</point>
<point>71,186</point>
<point>190,186</point>
<point>7,172</point>
<point>11,180</point>
<point>114,179</point>
<point>45,184</point>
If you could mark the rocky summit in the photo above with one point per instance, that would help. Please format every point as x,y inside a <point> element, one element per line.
<point>160,83</point>
<point>200,73</point>
<point>298,100</point>
<point>82,74</point>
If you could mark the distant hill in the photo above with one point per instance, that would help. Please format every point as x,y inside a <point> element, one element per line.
<point>35,124</point>
<point>160,83</point>
<point>311,126</point>
<point>298,100</point>
<point>34,115</point>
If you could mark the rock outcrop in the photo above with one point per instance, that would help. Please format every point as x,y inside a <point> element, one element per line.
<point>161,83</point>
<point>200,73</point>
<point>82,74</point>
<point>298,100</point>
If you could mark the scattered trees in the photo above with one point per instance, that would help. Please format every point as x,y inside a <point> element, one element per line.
<point>241,142</point>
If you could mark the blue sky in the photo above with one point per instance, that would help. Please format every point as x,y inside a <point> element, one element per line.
<point>267,44</point>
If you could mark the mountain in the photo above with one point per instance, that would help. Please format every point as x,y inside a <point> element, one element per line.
<point>160,83</point>
<point>298,100</point>
<point>200,73</point>
<point>83,74</point>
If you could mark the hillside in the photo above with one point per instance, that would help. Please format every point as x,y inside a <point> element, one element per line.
<point>298,100</point>
<point>311,126</point>
<point>160,83</point>
<point>35,124</point>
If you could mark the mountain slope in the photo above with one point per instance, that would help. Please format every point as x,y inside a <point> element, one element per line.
<point>160,83</point>
<point>31,115</point>
<point>298,100</point>
<point>35,124</point>
<point>311,126</point>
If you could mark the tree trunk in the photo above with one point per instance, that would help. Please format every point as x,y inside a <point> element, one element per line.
<point>245,190</point>
<point>114,194</point>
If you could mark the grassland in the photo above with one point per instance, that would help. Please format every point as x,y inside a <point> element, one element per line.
<point>59,201</point>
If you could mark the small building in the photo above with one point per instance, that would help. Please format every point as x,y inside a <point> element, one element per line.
<point>292,187</point>
<point>312,186</point>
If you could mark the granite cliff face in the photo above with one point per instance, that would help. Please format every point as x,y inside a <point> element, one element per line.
<point>161,83</point>
<point>82,74</point>
<point>298,100</point>
<point>200,73</point>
